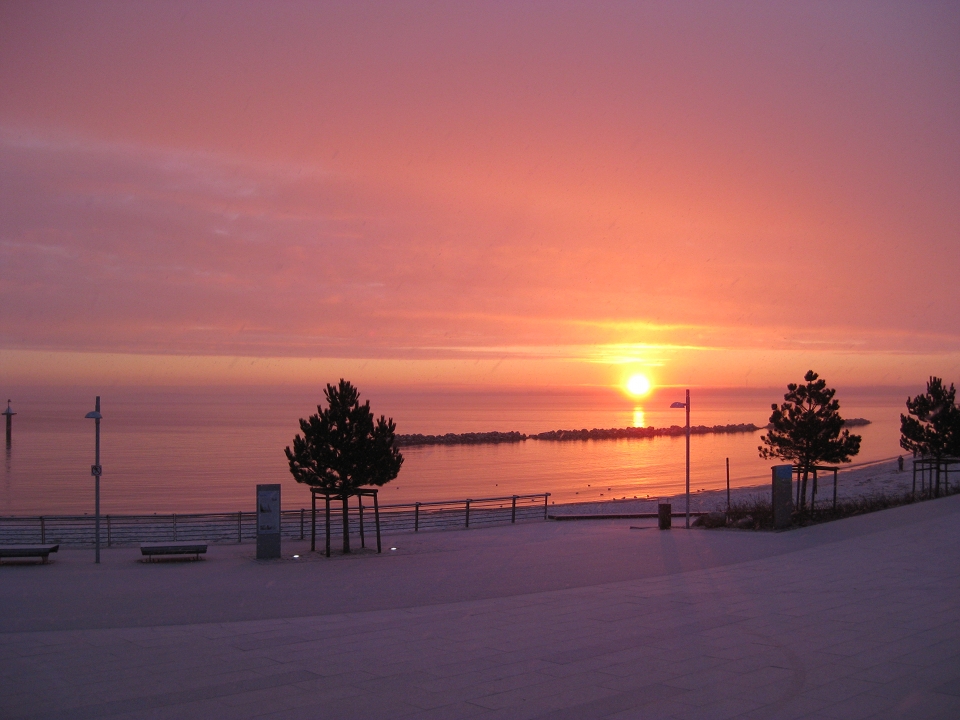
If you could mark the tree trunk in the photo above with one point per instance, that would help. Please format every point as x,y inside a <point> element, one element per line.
<point>346,525</point>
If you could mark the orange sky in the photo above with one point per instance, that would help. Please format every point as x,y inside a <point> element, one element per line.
<point>511,193</point>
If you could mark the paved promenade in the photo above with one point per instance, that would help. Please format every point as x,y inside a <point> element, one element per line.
<point>853,619</point>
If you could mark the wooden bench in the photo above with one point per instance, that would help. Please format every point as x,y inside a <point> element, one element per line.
<point>149,550</point>
<point>23,551</point>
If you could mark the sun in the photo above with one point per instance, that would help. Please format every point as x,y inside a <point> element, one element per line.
<point>638,385</point>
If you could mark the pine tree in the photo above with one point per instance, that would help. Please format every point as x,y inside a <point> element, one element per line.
<point>342,448</point>
<point>807,430</point>
<point>932,428</point>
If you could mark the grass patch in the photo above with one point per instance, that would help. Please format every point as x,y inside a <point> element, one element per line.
<point>752,513</point>
<point>756,513</point>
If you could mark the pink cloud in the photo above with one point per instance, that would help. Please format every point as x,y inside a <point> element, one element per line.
<point>430,182</point>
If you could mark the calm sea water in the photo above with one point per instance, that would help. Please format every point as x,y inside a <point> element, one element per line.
<point>204,450</point>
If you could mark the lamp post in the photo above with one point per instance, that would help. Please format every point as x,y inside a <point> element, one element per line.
<point>687,406</point>
<point>96,471</point>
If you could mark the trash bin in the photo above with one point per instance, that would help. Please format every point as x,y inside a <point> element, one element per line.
<point>663,512</point>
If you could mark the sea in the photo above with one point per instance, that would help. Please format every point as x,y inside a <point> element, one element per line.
<point>204,449</point>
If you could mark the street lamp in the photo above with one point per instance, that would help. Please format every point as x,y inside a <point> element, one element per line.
<point>96,471</point>
<point>687,406</point>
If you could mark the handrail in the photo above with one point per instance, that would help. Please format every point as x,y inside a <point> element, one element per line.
<point>233,513</point>
<point>240,526</point>
<point>472,500</point>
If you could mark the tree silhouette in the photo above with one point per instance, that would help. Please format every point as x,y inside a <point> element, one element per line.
<point>807,429</point>
<point>932,428</point>
<point>343,449</point>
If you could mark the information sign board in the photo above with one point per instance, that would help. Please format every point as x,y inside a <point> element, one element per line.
<point>782,495</point>
<point>268,521</point>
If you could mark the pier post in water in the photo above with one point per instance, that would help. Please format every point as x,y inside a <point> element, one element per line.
<point>9,414</point>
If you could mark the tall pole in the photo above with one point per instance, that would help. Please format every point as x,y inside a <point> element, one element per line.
<point>97,529</point>
<point>9,413</point>
<point>96,470</point>
<point>728,486</point>
<point>688,459</point>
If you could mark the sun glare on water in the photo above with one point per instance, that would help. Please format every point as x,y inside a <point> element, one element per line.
<point>638,385</point>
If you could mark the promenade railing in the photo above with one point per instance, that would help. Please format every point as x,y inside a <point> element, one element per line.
<point>238,527</point>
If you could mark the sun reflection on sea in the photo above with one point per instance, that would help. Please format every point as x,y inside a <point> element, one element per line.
<point>638,419</point>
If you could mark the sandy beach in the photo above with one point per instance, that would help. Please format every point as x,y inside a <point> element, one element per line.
<point>869,479</point>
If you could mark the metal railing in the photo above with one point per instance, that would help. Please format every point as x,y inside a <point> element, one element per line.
<point>451,513</point>
<point>238,527</point>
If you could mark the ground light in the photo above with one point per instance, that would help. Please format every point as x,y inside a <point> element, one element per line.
<point>687,406</point>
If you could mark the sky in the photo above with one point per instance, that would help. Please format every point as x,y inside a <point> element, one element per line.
<point>478,195</point>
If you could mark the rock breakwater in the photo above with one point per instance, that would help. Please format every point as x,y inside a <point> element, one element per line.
<point>481,438</point>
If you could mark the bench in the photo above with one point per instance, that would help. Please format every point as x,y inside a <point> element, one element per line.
<point>23,551</point>
<point>150,550</point>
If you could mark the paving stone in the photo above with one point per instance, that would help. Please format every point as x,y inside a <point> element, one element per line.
<point>849,620</point>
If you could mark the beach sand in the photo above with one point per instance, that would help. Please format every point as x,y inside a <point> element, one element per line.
<point>869,479</point>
